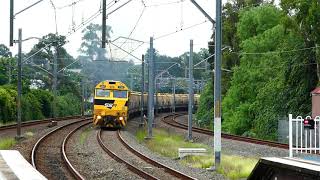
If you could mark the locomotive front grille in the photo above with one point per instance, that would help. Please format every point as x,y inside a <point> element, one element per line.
<point>102,101</point>
<point>109,119</point>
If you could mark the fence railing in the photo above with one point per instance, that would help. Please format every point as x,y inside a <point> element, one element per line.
<point>303,139</point>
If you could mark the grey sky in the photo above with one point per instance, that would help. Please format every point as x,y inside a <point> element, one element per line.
<point>155,21</point>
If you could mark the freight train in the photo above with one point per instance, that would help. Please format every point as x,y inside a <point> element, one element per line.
<point>113,102</point>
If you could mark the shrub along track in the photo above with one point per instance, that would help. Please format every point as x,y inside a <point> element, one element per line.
<point>170,120</point>
<point>49,152</point>
<point>113,144</point>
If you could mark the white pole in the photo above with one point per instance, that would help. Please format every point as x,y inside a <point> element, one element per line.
<point>290,135</point>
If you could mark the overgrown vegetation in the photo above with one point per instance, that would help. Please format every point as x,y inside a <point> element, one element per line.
<point>167,144</point>
<point>233,167</point>
<point>84,135</point>
<point>36,104</point>
<point>37,95</point>
<point>273,61</point>
<point>7,143</point>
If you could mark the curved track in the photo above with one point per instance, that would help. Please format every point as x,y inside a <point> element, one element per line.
<point>66,160</point>
<point>170,121</point>
<point>49,152</point>
<point>134,160</point>
<point>38,122</point>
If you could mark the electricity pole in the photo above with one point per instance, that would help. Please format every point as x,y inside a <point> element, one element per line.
<point>190,104</point>
<point>11,22</point>
<point>217,87</point>
<point>151,89</point>
<point>54,85</point>
<point>217,79</point>
<point>82,98</point>
<point>142,91</point>
<point>156,92</point>
<point>174,95</point>
<point>104,17</point>
<point>19,84</point>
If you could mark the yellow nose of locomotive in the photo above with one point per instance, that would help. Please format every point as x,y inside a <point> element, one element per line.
<point>111,104</point>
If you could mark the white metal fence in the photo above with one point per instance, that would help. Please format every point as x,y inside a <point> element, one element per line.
<point>301,139</point>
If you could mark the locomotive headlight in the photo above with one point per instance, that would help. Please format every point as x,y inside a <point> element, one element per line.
<point>98,117</point>
<point>120,118</point>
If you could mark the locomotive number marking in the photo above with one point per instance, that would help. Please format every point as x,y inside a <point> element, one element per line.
<point>108,105</point>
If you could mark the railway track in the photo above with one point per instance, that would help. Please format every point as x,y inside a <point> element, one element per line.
<point>37,122</point>
<point>49,152</point>
<point>170,121</point>
<point>145,167</point>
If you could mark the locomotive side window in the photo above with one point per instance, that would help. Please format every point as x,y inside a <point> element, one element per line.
<point>102,93</point>
<point>119,94</point>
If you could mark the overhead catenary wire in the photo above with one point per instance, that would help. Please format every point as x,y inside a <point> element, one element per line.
<point>133,50</point>
<point>69,5</point>
<point>164,4</point>
<point>135,26</point>
<point>92,17</point>
<point>55,15</point>
<point>125,51</point>
<point>183,29</point>
<point>275,52</point>
<point>67,35</point>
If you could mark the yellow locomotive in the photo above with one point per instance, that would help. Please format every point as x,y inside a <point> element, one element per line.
<point>110,104</point>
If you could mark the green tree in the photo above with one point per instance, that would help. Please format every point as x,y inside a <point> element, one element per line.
<point>306,14</point>
<point>259,32</point>
<point>264,85</point>
<point>4,51</point>
<point>91,45</point>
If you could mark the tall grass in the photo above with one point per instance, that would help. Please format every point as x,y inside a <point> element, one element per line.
<point>167,144</point>
<point>7,143</point>
<point>84,135</point>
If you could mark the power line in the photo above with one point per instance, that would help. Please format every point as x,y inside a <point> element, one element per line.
<point>55,15</point>
<point>67,35</point>
<point>189,27</point>
<point>274,52</point>
<point>69,5</point>
<point>164,4</point>
<point>144,4</point>
<point>133,50</point>
<point>135,26</point>
<point>91,18</point>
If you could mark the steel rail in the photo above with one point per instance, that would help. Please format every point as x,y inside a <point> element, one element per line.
<point>171,171</point>
<point>38,122</point>
<point>131,167</point>
<point>224,135</point>
<point>37,144</point>
<point>65,158</point>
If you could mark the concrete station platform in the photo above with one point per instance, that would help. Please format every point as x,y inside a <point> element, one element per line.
<point>13,166</point>
<point>285,169</point>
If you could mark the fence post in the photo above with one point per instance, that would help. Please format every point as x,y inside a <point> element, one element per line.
<point>290,136</point>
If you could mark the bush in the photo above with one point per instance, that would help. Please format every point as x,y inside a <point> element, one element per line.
<point>7,104</point>
<point>204,113</point>
<point>68,104</point>
<point>45,98</point>
<point>31,107</point>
